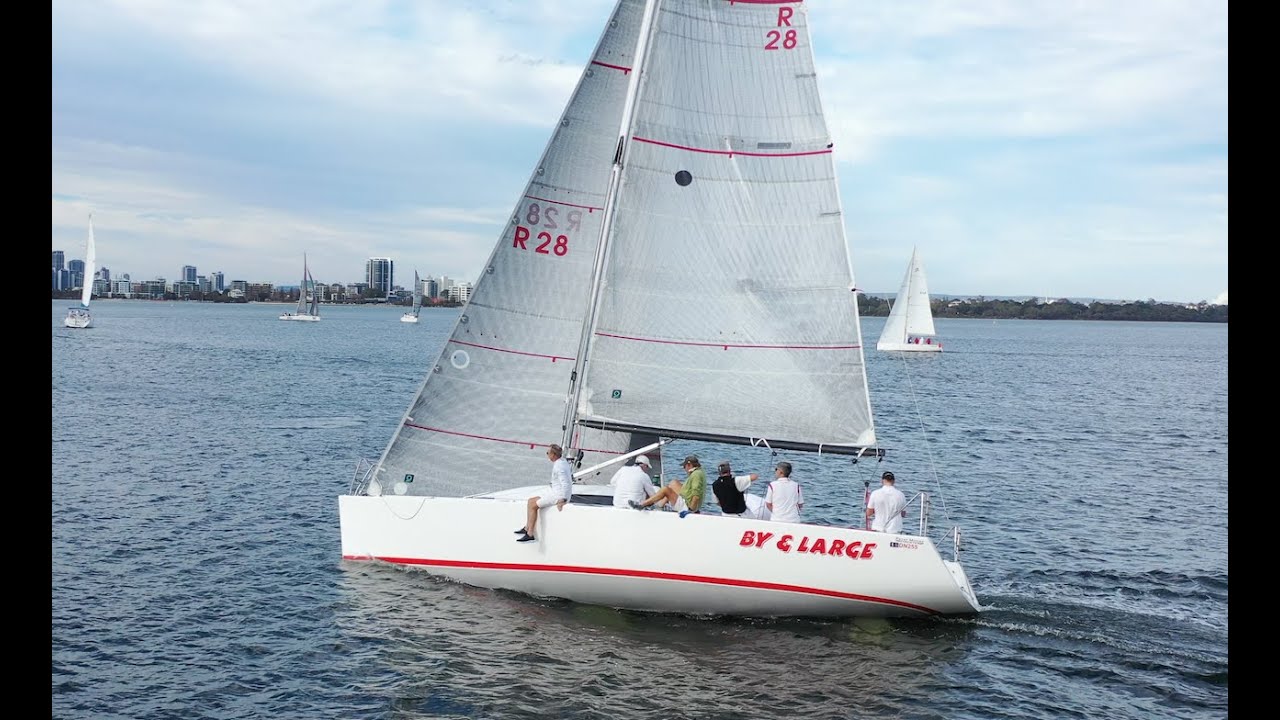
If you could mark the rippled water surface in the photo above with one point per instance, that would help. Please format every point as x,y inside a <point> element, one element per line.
<point>198,452</point>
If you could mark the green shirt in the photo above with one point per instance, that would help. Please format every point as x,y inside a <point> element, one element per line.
<point>695,486</point>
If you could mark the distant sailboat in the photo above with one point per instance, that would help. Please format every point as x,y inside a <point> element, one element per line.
<point>308,300</point>
<point>910,324</point>
<point>78,315</point>
<point>412,315</point>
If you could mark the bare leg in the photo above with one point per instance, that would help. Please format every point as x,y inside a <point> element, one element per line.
<point>667,494</point>
<point>532,520</point>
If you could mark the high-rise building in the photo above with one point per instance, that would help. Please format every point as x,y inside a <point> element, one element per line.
<point>188,274</point>
<point>216,278</point>
<point>430,287</point>
<point>59,258</point>
<point>460,292</point>
<point>380,274</point>
<point>104,274</point>
<point>76,267</point>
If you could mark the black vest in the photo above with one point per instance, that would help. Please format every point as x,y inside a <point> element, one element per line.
<point>730,497</point>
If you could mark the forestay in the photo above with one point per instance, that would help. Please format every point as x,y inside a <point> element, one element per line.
<point>727,309</point>
<point>495,397</point>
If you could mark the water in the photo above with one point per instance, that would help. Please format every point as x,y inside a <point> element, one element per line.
<point>198,452</point>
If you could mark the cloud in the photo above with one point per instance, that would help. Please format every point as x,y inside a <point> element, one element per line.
<point>1064,149</point>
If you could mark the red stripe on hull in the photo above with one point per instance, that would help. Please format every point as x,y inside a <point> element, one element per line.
<point>648,574</point>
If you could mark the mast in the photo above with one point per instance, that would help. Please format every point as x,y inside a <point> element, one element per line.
<point>611,201</point>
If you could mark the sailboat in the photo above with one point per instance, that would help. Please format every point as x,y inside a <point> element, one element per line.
<point>675,269</point>
<point>910,324</point>
<point>308,309</point>
<point>412,315</point>
<point>78,315</point>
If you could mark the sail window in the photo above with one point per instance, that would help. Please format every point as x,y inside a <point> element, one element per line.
<point>773,146</point>
<point>683,178</point>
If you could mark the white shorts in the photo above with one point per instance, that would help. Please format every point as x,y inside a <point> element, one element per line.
<point>546,501</point>
<point>680,505</point>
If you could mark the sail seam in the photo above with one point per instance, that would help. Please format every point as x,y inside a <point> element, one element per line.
<point>625,70</point>
<point>726,346</point>
<point>501,440</point>
<point>730,153</point>
<point>588,208</point>
<point>513,352</point>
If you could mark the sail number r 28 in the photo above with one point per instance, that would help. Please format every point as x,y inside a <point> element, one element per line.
<point>788,39</point>
<point>542,220</point>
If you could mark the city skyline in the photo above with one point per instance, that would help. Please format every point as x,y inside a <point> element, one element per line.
<point>1027,148</point>
<point>374,272</point>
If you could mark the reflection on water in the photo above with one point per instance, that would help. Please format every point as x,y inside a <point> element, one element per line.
<point>475,652</point>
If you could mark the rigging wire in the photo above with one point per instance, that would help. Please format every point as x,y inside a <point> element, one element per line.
<point>933,468</point>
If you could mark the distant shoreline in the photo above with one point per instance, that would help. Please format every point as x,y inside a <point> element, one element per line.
<point>871,306</point>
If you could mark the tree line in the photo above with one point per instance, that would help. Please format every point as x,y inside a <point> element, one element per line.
<point>1143,310</point>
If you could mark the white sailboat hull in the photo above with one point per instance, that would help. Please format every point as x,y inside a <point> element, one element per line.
<point>409,318</point>
<point>921,346</point>
<point>300,317</point>
<point>78,319</point>
<point>657,561</point>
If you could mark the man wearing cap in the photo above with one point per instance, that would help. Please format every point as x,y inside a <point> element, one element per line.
<point>887,506</point>
<point>632,483</point>
<point>681,496</point>
<point>728,490</point>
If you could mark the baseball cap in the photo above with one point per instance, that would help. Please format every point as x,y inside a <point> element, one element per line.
<point>887,476</point>
<point>642,460</point>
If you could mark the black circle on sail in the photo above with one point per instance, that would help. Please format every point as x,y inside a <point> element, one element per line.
<point>683,178</point>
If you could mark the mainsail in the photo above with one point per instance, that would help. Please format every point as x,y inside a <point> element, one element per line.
<point>309,290</point>
<point>417,294</point>
<point>495,398</point>
<point>727,310</point>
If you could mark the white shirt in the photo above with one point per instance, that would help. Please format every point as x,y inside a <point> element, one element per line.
<point>562,479</point>
<point>787,499</point>
<point>631,482</point>
<point>888,502</point>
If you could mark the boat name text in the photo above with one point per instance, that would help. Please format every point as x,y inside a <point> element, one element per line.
<point>815,546</point>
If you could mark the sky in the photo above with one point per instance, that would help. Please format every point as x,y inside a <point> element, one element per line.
<point>1026,147</point>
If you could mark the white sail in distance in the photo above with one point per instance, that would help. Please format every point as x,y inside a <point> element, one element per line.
<point>90,267</point>
<point>910,315</point>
